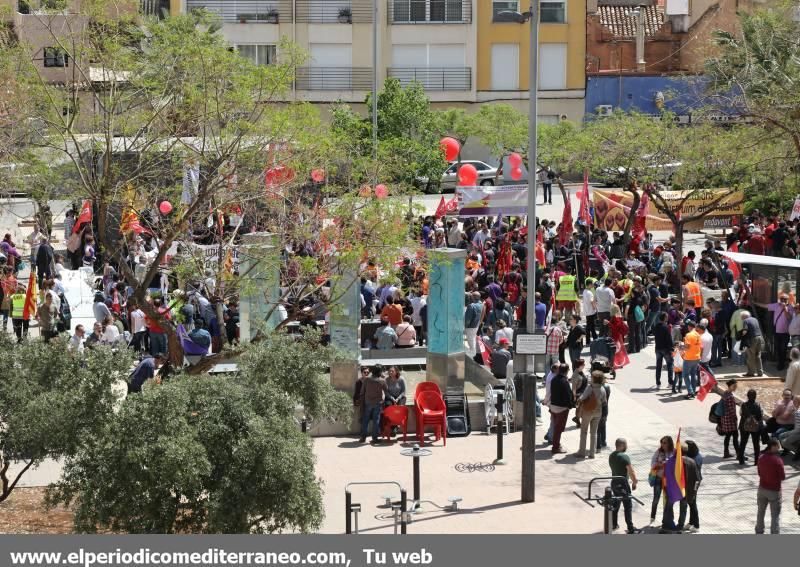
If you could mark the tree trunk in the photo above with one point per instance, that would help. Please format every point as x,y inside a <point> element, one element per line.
<point>100,237</point>
<point>626,234</point>
<point>678,241</point>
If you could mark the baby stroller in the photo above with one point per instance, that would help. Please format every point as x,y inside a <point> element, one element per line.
<point>602,351</point>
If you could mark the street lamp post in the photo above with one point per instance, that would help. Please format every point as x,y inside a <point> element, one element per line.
<point>529,421</point>
<point>375,79</point>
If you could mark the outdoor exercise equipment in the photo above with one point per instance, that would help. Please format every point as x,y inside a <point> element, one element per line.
<point>608,500</point>
<point>400,514</point>
<point>416,453</point>
<point>509,391</point>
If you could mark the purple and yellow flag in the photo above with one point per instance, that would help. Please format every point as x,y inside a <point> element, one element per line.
<point>674,482</point>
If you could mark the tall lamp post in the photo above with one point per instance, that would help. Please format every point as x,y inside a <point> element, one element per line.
<point>529,430</point>
<point>375,80</point>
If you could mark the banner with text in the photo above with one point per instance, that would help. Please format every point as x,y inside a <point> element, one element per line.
<point>612,207</point>
<point>511,200</point>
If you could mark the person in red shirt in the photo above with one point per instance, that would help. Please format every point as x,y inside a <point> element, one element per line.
<point>158,335</point>
<point>770,476</point>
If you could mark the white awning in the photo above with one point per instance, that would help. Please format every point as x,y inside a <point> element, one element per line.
<point>760,260</point>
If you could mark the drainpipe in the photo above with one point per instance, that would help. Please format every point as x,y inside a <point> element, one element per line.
<point>640,63</point>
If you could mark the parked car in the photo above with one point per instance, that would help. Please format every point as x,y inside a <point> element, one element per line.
<point>486,176</point>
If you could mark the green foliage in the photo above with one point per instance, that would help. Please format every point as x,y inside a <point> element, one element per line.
<point>209,454</point>
<point>502,128</point>
<point>408,137</point>
<point>53,401</point>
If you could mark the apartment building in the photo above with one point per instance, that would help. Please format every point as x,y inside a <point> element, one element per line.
<point>503,57</point>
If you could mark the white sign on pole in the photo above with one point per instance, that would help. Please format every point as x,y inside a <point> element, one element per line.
<point>530,344</point>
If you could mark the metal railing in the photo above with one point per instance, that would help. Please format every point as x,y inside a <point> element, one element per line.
<point>333,78</point>
<point>246,11</point>
<point>434,78</point>
<point>429,11</point>
<point>333,12</point>
<point>158,8</point>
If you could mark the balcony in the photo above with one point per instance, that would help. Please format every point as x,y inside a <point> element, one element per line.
<point>333,78</point>
<point>246,11</point>
<point>333,12</point>
<point>434,78</point>
<point>156,8</point>
<point>429,11</point>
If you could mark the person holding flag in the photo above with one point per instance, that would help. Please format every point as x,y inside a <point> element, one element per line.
<point>679,472</point>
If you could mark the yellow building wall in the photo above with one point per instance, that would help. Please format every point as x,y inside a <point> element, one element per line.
<point>573,33</point>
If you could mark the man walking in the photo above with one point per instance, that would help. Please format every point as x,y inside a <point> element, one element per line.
<point>754,341</point>
<point>590,309</point>
<point>693,347</point>
<point>620,464</point>
<point>604,299</point>
<point>664,348</point>
<point>561,400</point>
<point>472,320</point>
<point>770,476</point>
<point>372,393</point>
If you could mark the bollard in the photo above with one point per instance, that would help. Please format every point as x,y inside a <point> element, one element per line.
<point>500,424</point>
<point>608,505</point>
<point>417,497</point>
<point>403,510</point>
<point>348,501</point>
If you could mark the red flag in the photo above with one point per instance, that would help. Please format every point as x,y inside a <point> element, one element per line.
<point>539,253</point>
<point>441,210</point>
<point>452,205</point>
<point>486,354</point>
<point>707,383</point>
<point>639,228</point>
<point>733,266</point>
<point>29,309</point>
<point>566,223</point>
<point>84,217</point>
<point>583,213</point>
<point>504,258</point>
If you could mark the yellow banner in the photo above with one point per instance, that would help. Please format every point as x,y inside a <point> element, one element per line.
<point>612,207</point>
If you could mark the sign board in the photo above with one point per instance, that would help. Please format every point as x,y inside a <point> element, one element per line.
<point>795,209</point>
<point>489,200</point>
<point>530,344</point>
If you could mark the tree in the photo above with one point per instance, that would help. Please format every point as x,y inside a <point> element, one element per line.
<point>210,454</point>
<point>52,402</point>
<point>503,129</point>
<point>755,76</point>
<point>408,136</point>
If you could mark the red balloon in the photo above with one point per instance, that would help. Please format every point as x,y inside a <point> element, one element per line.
<point>467,175</point>
<point>450,147</point>
<point>516,173</point>
<point>165,207</point>
<point>318,175</point>
<point>515,160</point>
<point>381,191</point>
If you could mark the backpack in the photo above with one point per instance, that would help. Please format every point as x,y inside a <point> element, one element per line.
<point>589,404</point>
<point>712,413</point>
<point>638,314</point>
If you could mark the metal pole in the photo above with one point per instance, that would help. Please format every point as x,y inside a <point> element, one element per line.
<point>375,79</point>
<point>529,441</point>
<point>348,502</point>
<point>403,510</point>
<point>528,435</point>
<point>417,497</point>
<point>500,424</point>
<point>608,527</point>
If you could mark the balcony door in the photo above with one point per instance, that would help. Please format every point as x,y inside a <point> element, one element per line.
<point>331,67</point>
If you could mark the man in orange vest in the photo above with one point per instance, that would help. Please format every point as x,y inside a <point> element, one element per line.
<point>691,290</point>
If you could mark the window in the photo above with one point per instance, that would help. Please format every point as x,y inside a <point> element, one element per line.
<point>505,67</point>
<point>504,6</point>
<point>553,12</point>
<point>408,11</point>
<point>552,66</point>
<point>264,54</point>
<point>55,57</point>
<point>444,55</point>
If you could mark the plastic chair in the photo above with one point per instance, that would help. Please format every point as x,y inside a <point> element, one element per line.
<point>394,416</point>
<point>431,410</point>
<point>426,387</point>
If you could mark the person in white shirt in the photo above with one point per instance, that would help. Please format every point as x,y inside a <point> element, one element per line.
<point>406,334</point>
<point>417,303</point>
<point>604,299</point>
<point>503,331</point>
<point>110,332</point>
<point>706,340</point>
<point>590,309</point>
<point>138,329</point>
<point>77,340</point>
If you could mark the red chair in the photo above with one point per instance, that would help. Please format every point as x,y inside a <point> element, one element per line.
<point>394,416</point>
<point>426,387</point>
<point>431,411</point>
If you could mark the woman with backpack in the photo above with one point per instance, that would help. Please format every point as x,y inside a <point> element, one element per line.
<point>751,424</point>
<point>590,409</point>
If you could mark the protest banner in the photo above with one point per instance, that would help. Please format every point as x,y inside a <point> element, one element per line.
<point>481,201</point>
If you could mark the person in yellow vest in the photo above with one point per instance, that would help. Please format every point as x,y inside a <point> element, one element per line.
<point>691,290</point>
<point>18,321</point>
<point>567,294</point>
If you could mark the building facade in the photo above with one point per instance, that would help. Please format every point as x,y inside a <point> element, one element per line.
<point>503,57</point>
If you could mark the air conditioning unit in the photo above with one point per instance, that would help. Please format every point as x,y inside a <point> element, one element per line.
<point>563,117</point>
<point>605,110</point>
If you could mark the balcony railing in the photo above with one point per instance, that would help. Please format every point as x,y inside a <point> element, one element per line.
<point>246,11</point>
<point>333,12</point>
<point>333,78</point>
<point>157,8</point>
<point>434,78</point>
<point>429,11</point>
